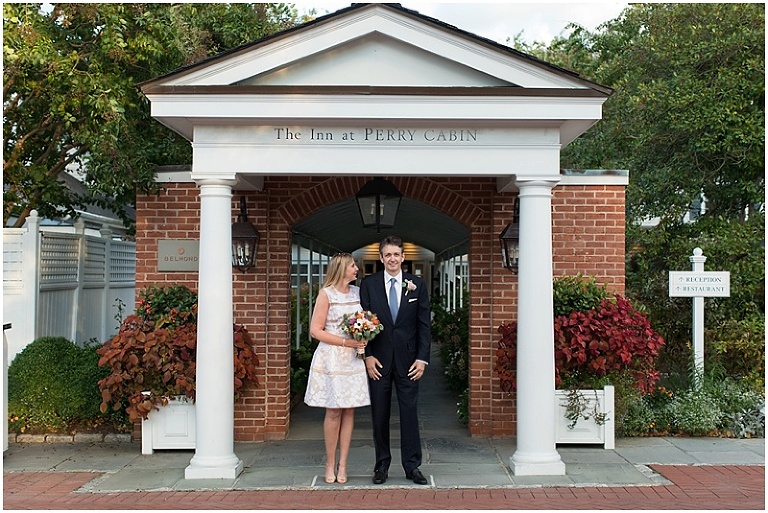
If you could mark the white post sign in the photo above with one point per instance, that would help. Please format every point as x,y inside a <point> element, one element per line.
<point>699,284</point>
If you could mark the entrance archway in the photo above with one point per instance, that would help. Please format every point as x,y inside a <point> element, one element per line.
<point>337,227</point>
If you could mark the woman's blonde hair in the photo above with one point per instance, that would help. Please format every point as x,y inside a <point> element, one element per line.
<point>337,268</point>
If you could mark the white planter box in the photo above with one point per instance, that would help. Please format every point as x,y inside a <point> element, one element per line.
<point>586,431</point>
<point>172,427</point>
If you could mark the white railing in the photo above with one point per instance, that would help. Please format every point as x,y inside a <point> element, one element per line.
<point>70,285</point>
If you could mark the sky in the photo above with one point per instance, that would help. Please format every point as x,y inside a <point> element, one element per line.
<point>499,21</point>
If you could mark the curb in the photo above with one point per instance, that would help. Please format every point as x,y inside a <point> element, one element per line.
<point>22,438</point>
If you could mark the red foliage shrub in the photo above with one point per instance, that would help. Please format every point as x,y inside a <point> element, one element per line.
<point>150,365</point>
<point>609,339</point>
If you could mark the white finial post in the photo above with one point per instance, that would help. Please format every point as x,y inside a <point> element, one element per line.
<point>699,284</point>
<point>697,264</point>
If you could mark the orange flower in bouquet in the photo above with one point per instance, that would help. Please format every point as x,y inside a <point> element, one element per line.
<point>361,326</point>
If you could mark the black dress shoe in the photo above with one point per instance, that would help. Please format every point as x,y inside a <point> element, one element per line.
<point>417,477</point>
<point>379,476</point>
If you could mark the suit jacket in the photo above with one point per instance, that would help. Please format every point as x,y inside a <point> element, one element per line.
<point>407,339</point>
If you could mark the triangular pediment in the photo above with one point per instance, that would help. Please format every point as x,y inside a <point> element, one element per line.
<point>374,45</point>
<point>375,59</point>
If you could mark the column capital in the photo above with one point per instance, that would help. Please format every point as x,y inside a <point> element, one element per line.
<point>540,181</point>
<point>218,181</point>
<point>513,183</point>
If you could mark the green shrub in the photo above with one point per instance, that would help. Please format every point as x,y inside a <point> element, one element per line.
<point>693,412</point>
<point>462,407</point>
<point>637,419</point>
<point>301,356</point>
<point>740,406</point>
<point>718,406</point>
<point>748,423</point>
<point>53,387</point>
<point>450,329</point>
<point>738,346</point>
<point>737,247</point>
<point>167,307</point>
<point>576,294</point>
<point>301,359</point>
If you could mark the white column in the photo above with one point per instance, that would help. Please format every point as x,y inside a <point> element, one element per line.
<point>535,454</point>
<point>214,411</point>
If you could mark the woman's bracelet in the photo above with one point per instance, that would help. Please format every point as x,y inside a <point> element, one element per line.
<point>343,342</point>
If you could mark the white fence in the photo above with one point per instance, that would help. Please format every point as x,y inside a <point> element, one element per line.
<point>64,284</point>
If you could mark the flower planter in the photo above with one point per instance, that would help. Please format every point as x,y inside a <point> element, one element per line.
<point>171,427</point>
<point>586,431</point>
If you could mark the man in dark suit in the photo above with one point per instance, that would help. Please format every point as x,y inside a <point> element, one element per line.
<point>397,357</point>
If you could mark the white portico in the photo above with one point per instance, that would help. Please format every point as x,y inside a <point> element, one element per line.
<point>375,89</point>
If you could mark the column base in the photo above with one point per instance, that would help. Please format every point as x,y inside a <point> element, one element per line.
<point>537,467</point>
<point>220,472</point>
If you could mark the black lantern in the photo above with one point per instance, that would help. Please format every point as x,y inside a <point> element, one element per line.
<point>378,201</point>
<point>245,240</point>
<point>510,241</point>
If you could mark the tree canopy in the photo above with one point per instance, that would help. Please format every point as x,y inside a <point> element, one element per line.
<point>688,116</point>
<point>688,120</point>
<point>71,102</point>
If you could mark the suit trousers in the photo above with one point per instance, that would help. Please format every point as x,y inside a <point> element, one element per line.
<point>381,405</point>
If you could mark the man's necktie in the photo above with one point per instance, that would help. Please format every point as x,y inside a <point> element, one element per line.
<point>393,298</point>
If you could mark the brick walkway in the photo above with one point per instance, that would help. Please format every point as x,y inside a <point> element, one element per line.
<point>695,487</point>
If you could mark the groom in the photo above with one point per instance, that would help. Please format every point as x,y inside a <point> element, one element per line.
<point>397,357</point>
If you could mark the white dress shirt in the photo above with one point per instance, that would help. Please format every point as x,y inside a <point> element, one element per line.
<point>398,285</point>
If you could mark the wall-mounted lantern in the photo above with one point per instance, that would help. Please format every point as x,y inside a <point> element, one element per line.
<point>245,240</point>
<point>510,241</point>
<point>378,201</point>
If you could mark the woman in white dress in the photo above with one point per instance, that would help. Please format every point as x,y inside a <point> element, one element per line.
<point>337,377</point>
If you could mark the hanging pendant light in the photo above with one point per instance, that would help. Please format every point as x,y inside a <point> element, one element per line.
<point>378,201</point>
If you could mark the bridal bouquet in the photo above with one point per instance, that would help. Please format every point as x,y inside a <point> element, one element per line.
<point>361,326</point>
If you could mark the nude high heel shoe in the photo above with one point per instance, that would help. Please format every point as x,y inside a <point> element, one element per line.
<point>330,477</point>
<point>342,476</point>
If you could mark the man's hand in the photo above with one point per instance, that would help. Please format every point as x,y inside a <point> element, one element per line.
<point>417,370</point>
<point>372,365</point>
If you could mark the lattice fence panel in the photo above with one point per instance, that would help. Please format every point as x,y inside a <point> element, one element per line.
<point>59,254</point>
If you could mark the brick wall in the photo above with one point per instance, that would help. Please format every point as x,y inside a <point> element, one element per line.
<point>588,233</point>
<point>588,237</point>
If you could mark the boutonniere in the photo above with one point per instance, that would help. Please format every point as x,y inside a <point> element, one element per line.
<point>409,286</point>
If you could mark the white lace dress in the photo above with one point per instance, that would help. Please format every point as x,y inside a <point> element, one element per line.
<point>337,377</point>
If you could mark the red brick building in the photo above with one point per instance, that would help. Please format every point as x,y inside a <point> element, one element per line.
<point>462,126</point>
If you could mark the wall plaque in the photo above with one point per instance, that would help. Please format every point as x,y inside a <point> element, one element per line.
<point>178,255</point>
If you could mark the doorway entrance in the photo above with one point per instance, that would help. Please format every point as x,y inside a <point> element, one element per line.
<point>444,267</point>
